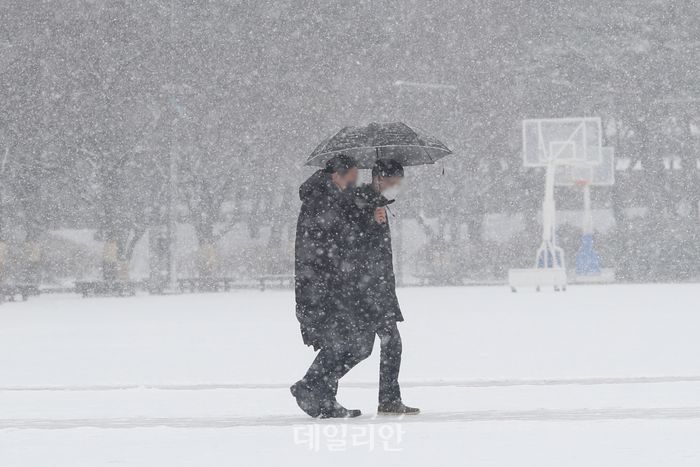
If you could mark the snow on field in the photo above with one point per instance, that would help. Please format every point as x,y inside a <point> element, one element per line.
<point>599,375</point>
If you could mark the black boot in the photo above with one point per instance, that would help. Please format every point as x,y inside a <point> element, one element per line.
<point>332,409</point>
<point>307,399</point>
<point>396,408</point>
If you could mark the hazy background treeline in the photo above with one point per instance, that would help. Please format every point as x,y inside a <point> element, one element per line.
<point>104,103</point>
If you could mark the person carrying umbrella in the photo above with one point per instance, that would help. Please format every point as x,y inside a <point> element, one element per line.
<point>371,261</point>
<point>323,300</point>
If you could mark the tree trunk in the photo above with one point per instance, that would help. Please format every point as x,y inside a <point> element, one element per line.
<point>3,260</point>
<point>123,270</point>
<point>206,254</point>
<point>207,261</point>
<point>110,266</point>
<point>32,251</point>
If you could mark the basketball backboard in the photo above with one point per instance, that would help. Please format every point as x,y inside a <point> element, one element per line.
<point>562,141</point>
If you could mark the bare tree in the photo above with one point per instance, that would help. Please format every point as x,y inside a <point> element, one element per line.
<point>211,161</point>
<point>110,121</point>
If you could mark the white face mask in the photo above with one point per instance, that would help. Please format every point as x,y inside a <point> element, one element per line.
<point>393,192</point>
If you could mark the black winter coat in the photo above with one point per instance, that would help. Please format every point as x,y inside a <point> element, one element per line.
<point>372,263</point>
<point>323,301</point>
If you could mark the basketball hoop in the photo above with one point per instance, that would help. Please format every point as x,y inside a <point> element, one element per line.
<point>571,150</point>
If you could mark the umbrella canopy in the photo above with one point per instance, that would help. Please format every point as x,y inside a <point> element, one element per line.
<point>367,144</point>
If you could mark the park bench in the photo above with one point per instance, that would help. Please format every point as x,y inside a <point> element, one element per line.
<point>209,284</point>
<point>10,292</point>
<point>428,279</point>
<point>280,281</point>
<point>103,288</point>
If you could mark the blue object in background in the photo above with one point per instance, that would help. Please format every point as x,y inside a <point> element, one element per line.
<point>587,260</point>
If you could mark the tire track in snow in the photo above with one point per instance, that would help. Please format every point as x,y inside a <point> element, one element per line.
<point>540,415</point>
<point>477,383</point>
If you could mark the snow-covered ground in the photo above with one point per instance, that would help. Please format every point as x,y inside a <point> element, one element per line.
<point>598,375</point>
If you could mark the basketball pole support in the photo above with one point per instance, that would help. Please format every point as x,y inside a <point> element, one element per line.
<point>587,260</point>
<point>549,255</point>
<point>587,212</point>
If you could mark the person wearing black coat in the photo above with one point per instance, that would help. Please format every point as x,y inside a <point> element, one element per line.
<point>324,302</point>
<point>372,268</point>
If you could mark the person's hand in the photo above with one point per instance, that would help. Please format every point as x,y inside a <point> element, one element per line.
<point>380,215</point>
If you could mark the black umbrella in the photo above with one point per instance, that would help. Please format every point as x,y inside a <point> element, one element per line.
<point>367,144</point>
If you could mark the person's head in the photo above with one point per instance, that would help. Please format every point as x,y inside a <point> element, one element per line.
<point>343,171</point>
<point>387,176</point>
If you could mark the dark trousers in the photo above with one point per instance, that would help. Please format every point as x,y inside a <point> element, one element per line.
<point>390,364</point>
<point>334,360</point>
